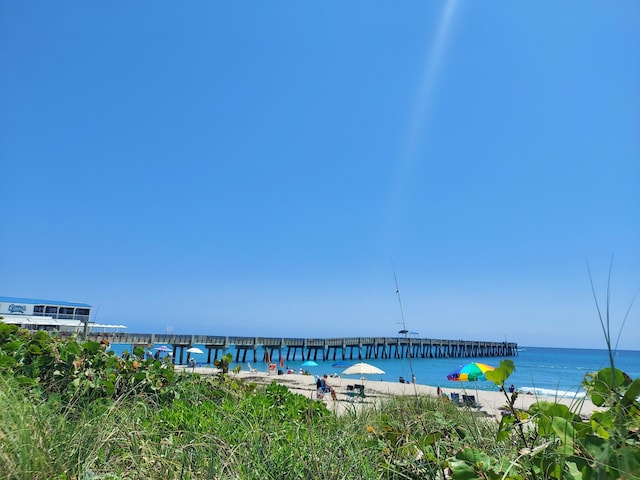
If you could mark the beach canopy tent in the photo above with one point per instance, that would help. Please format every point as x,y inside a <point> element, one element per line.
<point>471,372</point>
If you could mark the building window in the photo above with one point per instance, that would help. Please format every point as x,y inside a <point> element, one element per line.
<point>53,311</point>
<point>38,310</point>
<point>65,313</point>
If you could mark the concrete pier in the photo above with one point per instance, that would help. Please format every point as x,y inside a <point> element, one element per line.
<point>351,348</point>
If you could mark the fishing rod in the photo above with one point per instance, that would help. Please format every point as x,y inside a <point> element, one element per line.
<point>404,328</point>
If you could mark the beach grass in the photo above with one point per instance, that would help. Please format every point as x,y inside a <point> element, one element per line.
<point>267,434</point>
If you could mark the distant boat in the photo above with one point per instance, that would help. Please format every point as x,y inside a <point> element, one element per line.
<point>522,349</point>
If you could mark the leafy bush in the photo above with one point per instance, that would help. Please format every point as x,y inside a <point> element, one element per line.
<point>80,372</point>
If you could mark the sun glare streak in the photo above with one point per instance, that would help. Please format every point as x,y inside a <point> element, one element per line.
<point>433,60</point>
<point>419,117</point>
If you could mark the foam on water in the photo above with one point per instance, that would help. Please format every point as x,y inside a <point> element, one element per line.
<point>548,392</point>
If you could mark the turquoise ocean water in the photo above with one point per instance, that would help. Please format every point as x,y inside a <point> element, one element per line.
<point>545,371</point>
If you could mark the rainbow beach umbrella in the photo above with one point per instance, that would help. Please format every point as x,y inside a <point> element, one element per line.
<point>471,372</point>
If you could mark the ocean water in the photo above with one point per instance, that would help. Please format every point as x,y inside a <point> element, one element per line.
<point>545,371</point>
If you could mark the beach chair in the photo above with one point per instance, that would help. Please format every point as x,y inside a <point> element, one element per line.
<point>455,398</point>
<point>359,391</point>
<point>470,401</point>
<point>351,393</point>
<point>355,392</point>
<point>251,369</point>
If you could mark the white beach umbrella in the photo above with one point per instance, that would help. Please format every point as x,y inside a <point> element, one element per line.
<point>362,369</point>
<point>194,350</point>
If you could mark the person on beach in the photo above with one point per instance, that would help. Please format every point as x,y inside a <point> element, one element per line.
<point>325,387</point>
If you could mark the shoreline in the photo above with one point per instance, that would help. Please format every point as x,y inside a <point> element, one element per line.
<point>490,403</point>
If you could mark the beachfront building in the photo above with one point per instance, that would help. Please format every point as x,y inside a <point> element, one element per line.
<point>52,315</point>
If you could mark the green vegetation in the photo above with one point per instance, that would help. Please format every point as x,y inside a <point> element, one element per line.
<point>71,410</point>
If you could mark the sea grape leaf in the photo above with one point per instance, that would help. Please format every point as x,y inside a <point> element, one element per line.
<point>12,346</point>
<point>565,432</point>
<point>41,337</point>
<point>7,329</point>
<point>74,348</point>
<point>26,380</point>
<point>602,423</point>
<point>544,426</point>
<point>628,459</point>
<point>109,387</point>
<point>572,471</point>
<point>559,410</point>
<point>91,347</point>
<point>500,375</point>
<point>602,383</point>
<point>632,393</point>
<point>475,457</point>
<point>430,438</point>
<point>7,361</point>
<point>543,407</point>
<point>463,471</point>
<point>506,427</point>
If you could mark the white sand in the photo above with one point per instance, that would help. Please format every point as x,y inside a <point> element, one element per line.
<point>375,390</point>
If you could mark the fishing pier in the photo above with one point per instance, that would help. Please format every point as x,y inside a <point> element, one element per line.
<point>272,349</point>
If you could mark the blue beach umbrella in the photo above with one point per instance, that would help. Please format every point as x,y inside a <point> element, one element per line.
<point>341,365</point>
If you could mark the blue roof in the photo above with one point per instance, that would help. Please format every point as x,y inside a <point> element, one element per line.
<point>36,301</point>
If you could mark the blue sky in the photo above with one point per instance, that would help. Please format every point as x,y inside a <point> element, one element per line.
<point>259,168</point>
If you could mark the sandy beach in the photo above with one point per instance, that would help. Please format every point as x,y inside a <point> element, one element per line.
<point>491,403</point>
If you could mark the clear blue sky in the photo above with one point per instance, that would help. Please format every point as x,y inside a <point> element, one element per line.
<point>257,168</point>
